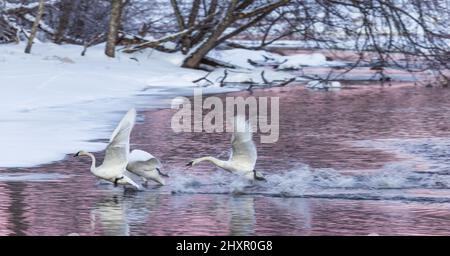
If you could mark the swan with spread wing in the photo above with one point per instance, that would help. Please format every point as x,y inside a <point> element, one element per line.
<point>117,153</point>
<point>243,153</point>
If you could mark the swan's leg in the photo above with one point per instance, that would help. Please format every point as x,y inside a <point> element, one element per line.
<point>116,180</point>
<point>258,176</point>
<point>145,184</point>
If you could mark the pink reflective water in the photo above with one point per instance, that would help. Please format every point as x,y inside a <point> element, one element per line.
<point>326,138</point>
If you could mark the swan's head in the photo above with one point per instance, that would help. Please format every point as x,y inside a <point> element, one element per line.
<point>80,153</point>
<point>191,163</point>
<point>161,173</point>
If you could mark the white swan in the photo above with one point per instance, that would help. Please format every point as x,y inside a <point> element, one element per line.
<point>243,155</point>
<point>146,166</point>
<point>116,157</point>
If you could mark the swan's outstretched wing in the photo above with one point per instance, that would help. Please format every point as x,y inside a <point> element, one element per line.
<point>243,148</point>
<point>141,160</point>
<point>119,145</point>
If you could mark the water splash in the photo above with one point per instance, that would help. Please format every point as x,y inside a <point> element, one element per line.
<point>392,182</point>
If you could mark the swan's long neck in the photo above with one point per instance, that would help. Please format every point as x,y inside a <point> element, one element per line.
<point>93,165</point>
<point>213,160</point>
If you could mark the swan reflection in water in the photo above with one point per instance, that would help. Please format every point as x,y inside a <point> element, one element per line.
<point>109,216</point>
<point>114,215</point>
<point>242,215</point>
<point>127,214</point>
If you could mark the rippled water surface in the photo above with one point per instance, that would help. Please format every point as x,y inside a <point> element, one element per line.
<point>355,161</point>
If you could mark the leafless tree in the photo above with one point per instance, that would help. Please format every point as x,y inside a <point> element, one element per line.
<point>66,9</point>
<point>214,30</point>
<point>113,30</point>
<point>35,27</point>
<point>204,25</point>
<point>409,34</point>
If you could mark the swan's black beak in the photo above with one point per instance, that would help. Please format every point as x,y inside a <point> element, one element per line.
<point>77,154</point>
<point>190,164</point>
<point>162,174</point>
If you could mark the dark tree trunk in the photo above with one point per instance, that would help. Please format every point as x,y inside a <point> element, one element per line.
<point>196,57</point>
<point>114,24</point>
<point>66,7</point>
<point>35,27</point>
<point>186,41</point>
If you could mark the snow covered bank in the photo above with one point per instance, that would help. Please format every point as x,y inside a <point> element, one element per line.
<point>241,57</point>
<point>260,67</point>
<point>54,101</point>
<point>307,60</point>
<point>323,85</point>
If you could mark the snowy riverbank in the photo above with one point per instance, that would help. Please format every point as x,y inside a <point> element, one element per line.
<point>55,102</point>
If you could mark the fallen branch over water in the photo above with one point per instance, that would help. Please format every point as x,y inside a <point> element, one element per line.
<point>275,83</point>
<point>221,80</point>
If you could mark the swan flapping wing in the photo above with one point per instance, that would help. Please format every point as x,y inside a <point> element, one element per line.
<point>242,130</point>
<point>243,148</point>
<point>142,160</point>
<point>119,145</point>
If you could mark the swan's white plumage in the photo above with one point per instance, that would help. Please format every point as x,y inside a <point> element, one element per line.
<point>116,156</point>
<point>242,131</point>
<point>243,152</point>
<point>140,155</point>
<point>128,180</point>
<point>145,165</point>
<point>127,121</point>
<point>118,148</point>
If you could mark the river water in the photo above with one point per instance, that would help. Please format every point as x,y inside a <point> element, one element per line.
<point>358,161</point>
